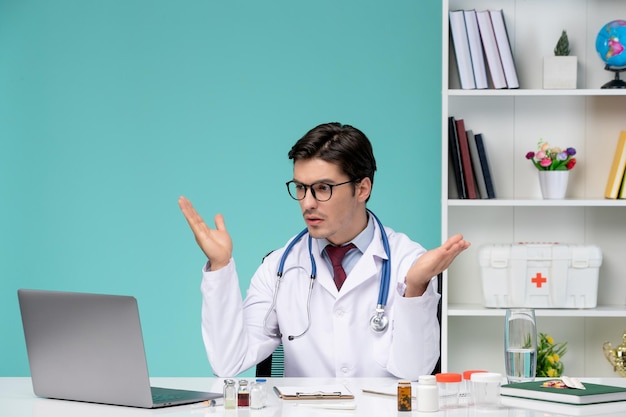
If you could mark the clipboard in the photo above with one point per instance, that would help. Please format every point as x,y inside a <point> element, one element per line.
<point>320,392</point>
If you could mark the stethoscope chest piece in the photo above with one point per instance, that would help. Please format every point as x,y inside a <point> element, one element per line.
<point>379,320</point>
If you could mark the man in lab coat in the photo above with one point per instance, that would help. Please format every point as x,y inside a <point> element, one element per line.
<point>325,328</point>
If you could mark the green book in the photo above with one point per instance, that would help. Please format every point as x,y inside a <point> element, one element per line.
<point>593,394</point>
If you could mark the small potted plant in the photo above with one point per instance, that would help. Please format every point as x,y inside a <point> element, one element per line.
<point>553,165</point>
<point>561,70</point>
<point>552,158</point>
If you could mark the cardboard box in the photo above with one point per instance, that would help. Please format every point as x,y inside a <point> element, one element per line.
<point>540,275</point>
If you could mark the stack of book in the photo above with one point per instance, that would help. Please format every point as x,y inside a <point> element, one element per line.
<point>590,394</point>
<point>616,183</point>
<point>468,159</point>
<point>480,41</point>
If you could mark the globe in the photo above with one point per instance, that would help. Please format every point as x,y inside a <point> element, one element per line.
<point>611,43</point>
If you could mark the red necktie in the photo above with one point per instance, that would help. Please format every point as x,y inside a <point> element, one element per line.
<point>336,254</point>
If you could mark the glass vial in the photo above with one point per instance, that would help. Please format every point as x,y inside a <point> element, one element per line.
<point>404,396</point>
<point>256,395</point>
<point>427,394</point>
<point>243,395</point>
<point>230,394</point>
<point>263,384</point>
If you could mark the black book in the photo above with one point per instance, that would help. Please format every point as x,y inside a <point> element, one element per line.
<point>484,163</point>
<point>455,158</point>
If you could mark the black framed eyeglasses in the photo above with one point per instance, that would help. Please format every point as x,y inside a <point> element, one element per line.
<point>321,191</point>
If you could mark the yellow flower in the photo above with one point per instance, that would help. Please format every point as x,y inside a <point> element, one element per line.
<point>549,356</point>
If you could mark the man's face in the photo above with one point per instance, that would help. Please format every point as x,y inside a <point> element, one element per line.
<point>342,217</point>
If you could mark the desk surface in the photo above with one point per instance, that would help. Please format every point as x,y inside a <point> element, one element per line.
<point>17,400</point>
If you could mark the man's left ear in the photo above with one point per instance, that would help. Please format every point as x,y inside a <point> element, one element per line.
<point>364,188</point>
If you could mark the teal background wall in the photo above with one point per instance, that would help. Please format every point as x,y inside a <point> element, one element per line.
<point>109,110</point>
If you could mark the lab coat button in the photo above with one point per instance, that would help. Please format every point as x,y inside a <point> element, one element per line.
<point>339,313</point>
<point>344,370</point>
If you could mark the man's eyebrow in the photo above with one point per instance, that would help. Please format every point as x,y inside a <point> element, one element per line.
<point>325,180</point>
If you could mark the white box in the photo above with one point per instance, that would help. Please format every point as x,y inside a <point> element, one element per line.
<point>540,275</point>
<point>560,72</point>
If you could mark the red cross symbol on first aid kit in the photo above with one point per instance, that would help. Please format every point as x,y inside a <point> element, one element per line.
<point>538,280</point>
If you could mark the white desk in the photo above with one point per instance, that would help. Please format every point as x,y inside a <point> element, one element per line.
<point>17,400</point>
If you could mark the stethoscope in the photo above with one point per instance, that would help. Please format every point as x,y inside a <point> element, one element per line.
<point>378,321</point>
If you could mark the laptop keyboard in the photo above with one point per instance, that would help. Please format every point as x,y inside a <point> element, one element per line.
<point>165,398</point>
<point>160,396</point>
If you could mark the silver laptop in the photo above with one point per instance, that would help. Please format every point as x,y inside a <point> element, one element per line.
<point>89,347</point>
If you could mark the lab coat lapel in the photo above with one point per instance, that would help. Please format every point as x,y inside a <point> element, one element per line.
<point>324,273</point>
<point>369,266</point>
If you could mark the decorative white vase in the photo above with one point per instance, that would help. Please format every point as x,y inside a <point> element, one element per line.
<point>553,184</point>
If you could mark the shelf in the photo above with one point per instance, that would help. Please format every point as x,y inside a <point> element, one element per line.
<point>536,203</point>
<point>584,92</point>
<point>477,310</point>
<point>511,122</point>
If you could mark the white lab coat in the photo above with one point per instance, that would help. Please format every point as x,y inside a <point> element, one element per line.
<point>339,342</point>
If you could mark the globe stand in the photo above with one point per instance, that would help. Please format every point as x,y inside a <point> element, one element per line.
<point>616,82</point>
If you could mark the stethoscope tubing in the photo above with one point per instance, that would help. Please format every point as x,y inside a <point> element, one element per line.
<point>383,292</point>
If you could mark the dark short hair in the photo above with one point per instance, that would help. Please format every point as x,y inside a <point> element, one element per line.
<point>339,144</point>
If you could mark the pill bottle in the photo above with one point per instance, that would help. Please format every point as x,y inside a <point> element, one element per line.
<point>449,385</point>
<point>230,394</point>
<point>486,389</point>
<point>404,396</point>
<point>427,394</point>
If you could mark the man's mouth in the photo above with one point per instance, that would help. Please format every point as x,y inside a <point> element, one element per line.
<point>313,220</point>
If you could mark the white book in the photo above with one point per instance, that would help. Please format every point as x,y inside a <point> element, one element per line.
<point>476,50</point>
<point>461,49</point>
<point>504,47</point>
<point>491,49</point>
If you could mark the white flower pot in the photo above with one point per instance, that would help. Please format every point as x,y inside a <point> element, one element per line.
<point>553,184</point>
<point>560,72</point>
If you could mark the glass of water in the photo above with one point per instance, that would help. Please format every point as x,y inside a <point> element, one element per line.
<point>520,345</point>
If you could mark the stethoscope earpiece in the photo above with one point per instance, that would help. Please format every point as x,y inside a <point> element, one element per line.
<point>379,321</point>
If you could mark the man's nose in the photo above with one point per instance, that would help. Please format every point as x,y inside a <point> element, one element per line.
<point>309,200</point>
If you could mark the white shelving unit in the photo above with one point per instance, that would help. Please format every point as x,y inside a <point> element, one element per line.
<point>512,121</point>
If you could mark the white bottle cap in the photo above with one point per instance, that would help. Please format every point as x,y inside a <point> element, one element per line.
<point>428,380</point>
<point>486,377</point>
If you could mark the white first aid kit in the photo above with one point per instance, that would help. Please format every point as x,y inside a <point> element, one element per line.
<point>540,275</point>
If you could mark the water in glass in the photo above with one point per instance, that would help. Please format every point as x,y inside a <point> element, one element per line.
<point>520,345</point>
